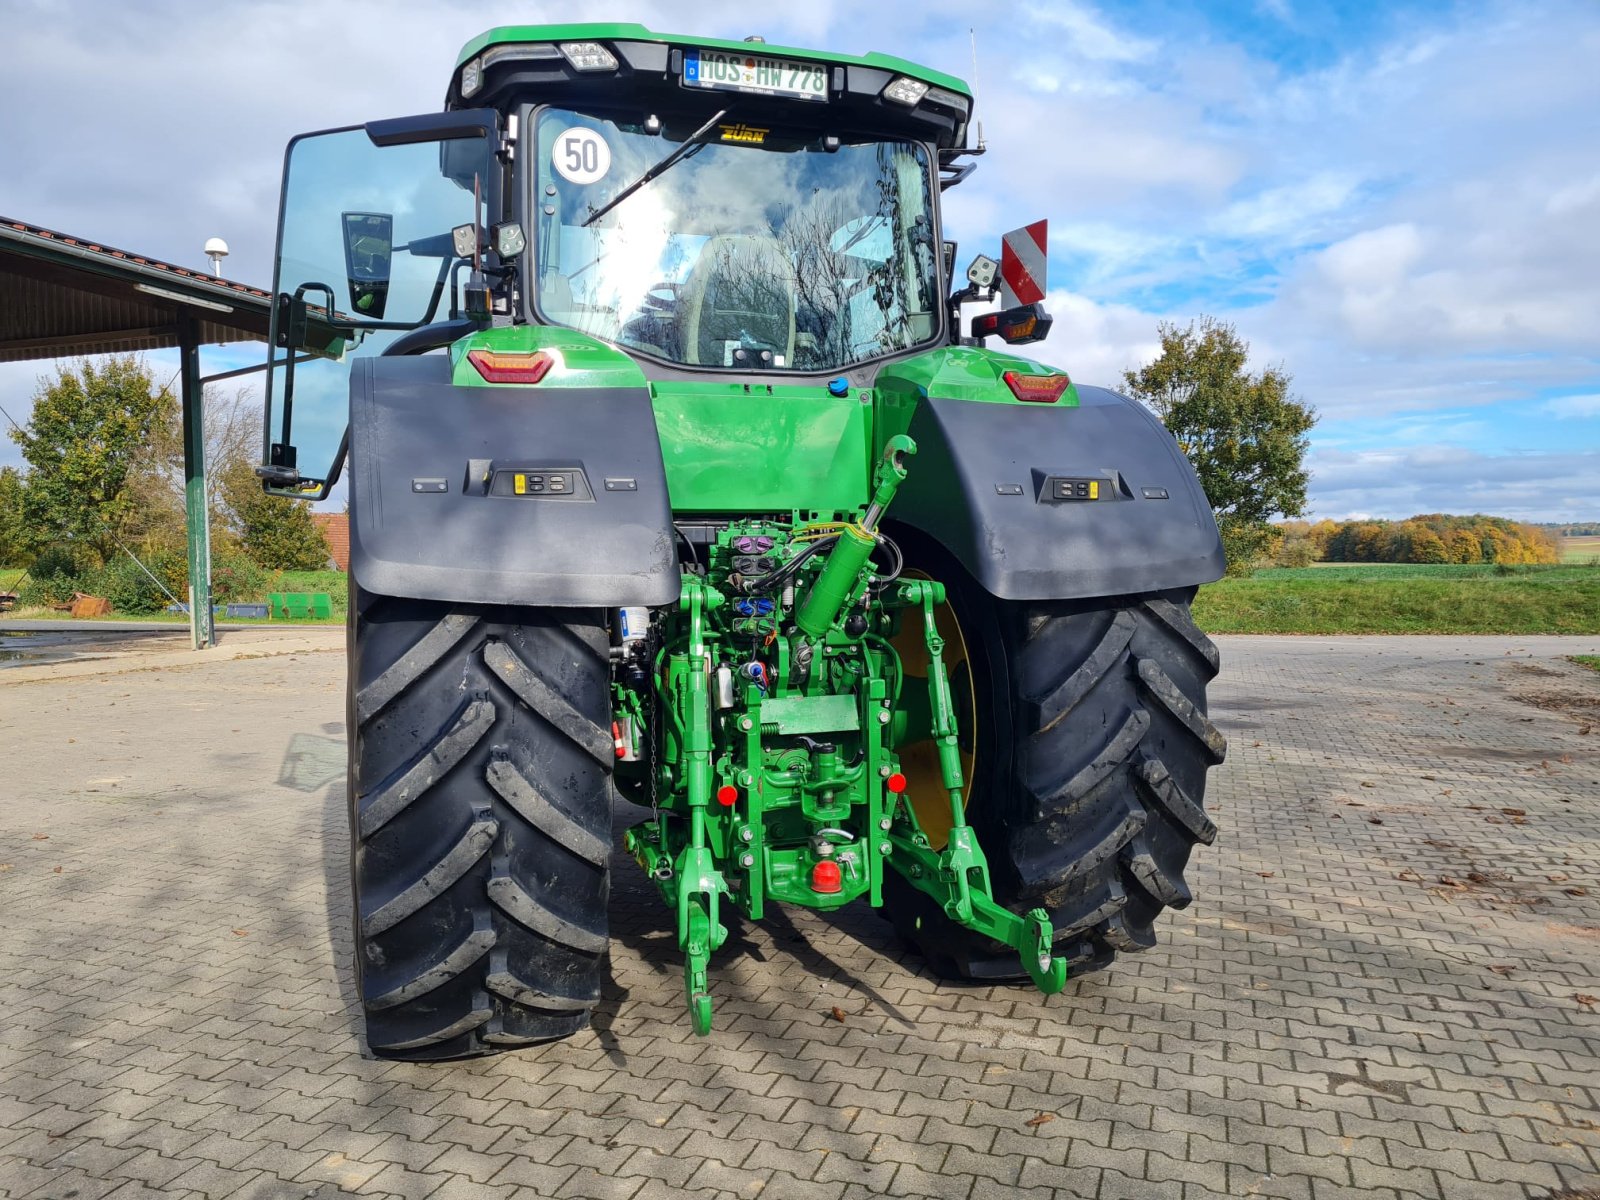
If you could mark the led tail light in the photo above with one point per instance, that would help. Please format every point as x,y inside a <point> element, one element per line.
<point>1036,389</point>
<point>499,367</point>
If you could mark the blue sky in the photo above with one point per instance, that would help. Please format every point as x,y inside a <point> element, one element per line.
<point>1399,203</point>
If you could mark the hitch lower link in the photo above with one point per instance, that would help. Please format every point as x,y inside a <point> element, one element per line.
<point>957,877</point>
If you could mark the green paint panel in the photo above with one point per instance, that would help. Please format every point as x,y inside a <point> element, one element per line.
<point>811,714</point>
<point>581,361</point>
<point>972,373</point>
<point>733,447</point>
<point>626,32</point>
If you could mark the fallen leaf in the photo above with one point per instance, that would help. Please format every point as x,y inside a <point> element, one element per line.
<point>1266,874</point>
<point>1515,812</point>
<point>1584,730</point>
<point>1585,999</point>
<point>1409,876</point>
<point>1572,891</point>
<point>5,866</point>
<point>837,1014</point>
<point>1502,968</point>
<point>1364,783</point>
<point>1558,878</point>
<point>1254,744</point>
<point>1375,820</point>
<point>41,837</point>
<point>55,870</point>
<point>240,932</point>
<point>1045,1118</point>
<point>1566,758</point>
<point>1494,820</point>
<point>1429,778</point>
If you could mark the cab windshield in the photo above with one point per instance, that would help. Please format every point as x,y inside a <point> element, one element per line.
<point>751,251</point>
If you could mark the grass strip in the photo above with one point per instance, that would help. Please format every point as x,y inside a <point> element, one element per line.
<point>1410,600</point>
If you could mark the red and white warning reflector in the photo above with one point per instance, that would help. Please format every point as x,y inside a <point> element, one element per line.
<point>1023,265</point>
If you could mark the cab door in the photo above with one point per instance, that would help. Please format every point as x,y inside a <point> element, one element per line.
<point>376,226</point>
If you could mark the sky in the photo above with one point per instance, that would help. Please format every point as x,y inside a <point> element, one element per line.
<point>1397,203</point>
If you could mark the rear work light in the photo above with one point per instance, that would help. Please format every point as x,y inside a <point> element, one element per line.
<point>500,367</point>
<point>905,90</point>
<point>1036,389</point>
<point>589,56</point>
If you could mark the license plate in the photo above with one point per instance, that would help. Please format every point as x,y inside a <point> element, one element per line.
<point>733,72</point>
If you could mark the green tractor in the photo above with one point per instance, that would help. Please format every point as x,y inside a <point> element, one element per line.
<point>674,476</point>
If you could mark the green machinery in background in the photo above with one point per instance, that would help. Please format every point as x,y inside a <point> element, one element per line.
<point>676,475</point>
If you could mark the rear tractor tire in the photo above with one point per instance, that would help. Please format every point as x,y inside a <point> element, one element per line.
<point>480,822</point>
<point>1091,750</point>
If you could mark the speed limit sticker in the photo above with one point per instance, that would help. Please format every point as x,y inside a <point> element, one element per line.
<point>581,156</point>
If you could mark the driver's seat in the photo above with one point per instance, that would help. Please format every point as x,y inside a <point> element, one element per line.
<point>740,293</point>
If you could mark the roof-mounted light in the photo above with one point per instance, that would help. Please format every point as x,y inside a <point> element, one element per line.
<point>589,56</point>
<point>472,71</point>
<point>905,90</point>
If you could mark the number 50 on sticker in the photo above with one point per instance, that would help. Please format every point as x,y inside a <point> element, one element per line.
<point>581,156</point>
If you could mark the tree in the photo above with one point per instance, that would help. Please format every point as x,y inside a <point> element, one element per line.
<point>16,543</point>
<point>1244,433</point>
<point>275,531</point>
<point>90,432</point>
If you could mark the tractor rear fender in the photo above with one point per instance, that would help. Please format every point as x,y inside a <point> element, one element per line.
<point>438,512</point>
<point>988,482</point>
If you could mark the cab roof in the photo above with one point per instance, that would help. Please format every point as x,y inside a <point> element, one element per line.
<point>633,32</point>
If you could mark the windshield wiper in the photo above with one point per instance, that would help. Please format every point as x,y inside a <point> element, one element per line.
<point>680,152</point>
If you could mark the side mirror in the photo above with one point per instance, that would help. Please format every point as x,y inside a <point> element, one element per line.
<point>1016,326</point>
<point>982,271</point>
<point>368,249</point>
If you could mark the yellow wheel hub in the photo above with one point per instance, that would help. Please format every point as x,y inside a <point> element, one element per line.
<point>919,760</point>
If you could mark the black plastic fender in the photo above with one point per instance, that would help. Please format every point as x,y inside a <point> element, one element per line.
<point>985,483</point>
<point>436,513</point>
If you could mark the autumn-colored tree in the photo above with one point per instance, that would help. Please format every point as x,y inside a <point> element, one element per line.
<point>1441,537</point>
<point>1464,548</point>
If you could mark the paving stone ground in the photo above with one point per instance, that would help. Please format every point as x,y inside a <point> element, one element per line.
<point>1386,986</point>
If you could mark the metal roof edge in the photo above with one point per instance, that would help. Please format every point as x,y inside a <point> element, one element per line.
<point>36,241</point>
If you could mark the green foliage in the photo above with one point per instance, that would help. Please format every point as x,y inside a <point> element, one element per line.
<point>279,533</point>
<point>1587,660</point>
<point>91,431</point>
<point>1244,433</point>
<point>1245,543</point>
<point>16,540</point>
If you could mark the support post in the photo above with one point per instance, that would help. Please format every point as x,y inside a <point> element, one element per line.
<point>201,628</point>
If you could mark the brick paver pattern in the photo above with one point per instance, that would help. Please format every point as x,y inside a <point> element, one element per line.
<point>1386,986</point>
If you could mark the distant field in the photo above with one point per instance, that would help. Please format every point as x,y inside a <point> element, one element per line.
<point>1580,549</point>
<point>1395,598</point>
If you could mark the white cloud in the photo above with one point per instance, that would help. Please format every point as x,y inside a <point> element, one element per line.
<point>1087,34</point>
<point>1569,407</point>
<point>1534,487</point>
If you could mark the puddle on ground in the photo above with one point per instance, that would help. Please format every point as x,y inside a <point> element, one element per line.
<point>40,647</point>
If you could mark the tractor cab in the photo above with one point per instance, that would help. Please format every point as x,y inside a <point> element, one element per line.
<point>705,207</point>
